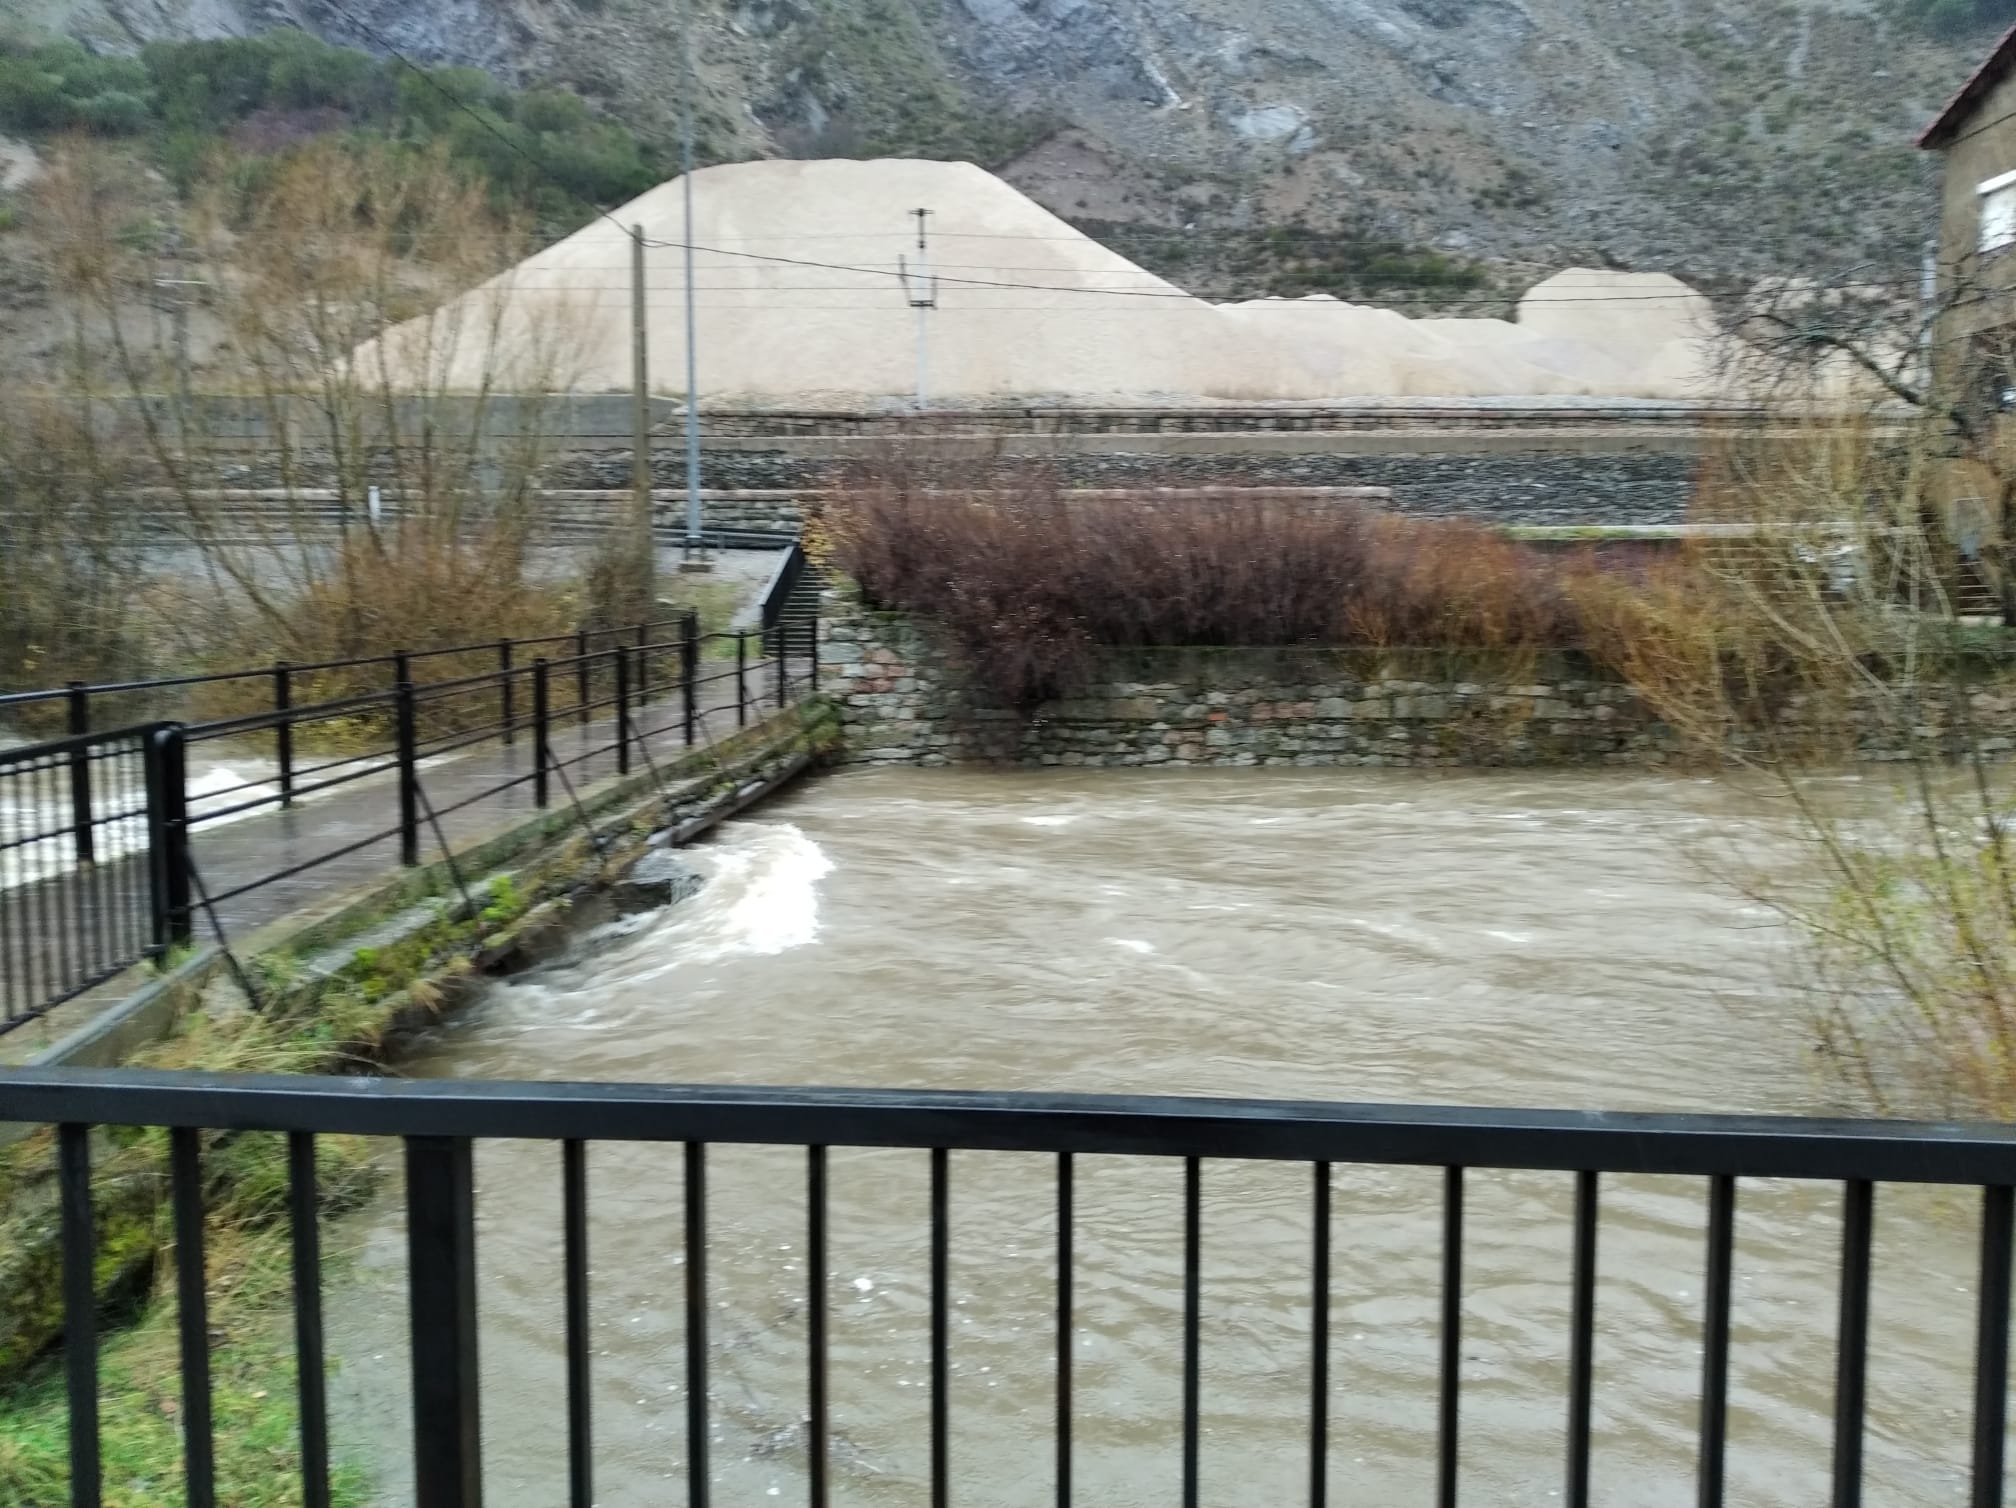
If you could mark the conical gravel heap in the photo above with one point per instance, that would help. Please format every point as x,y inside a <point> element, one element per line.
<point>799,302</point>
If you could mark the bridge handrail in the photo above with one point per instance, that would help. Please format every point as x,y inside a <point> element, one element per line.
<point>439,1121</point>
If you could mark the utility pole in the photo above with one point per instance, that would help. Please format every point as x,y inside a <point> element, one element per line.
<point>696,559</point>
<point>921,288</point>
<point>179,313</point>
<point>640,396</point>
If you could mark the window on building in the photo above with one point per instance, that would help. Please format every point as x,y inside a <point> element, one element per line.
<point>1998,213</point>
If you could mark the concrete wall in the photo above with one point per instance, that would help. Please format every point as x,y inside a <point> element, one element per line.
<point>1507,487</point>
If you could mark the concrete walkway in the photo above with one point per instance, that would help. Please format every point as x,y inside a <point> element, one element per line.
<point>345,839</point>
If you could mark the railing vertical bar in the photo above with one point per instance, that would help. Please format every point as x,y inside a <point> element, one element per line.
<point>1850,1386</point>
<point>815,1302</point>
<point>192,1316</point>
<point>310,1370</point>
<point>441,1305</point>
<point>1715,1339</point>
<point>643,665</point>
<point>689,674</point>
<point>408,739</point>
<point>1066,1218</point>
<point>80,1311</point>
<point>622,709</point>
<point>541,717</point>
<point>80,776</point>
<point>133,828</point>
<point>506,708</point>
<point>283,729</point>
<point>175,826</point>
<point>1192,1318</point>
<point>9,949</point>
<point>583,692</point>
<point>574,1219</point>
<point>49,910</point>
<point>96,879</point>
<point>1447,1434</point>
<point>741,679</point>
<point>696,1324</point>
<point>1582,1340</point>
<point>1319,1343</point>
<point>59,940</point>
<point>1991,1348</point>
<point>940,1334</point>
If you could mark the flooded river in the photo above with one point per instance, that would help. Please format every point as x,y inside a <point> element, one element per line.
<point>1552,941</point>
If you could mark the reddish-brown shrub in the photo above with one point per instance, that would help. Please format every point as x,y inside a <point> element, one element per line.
<point>1029,580</point>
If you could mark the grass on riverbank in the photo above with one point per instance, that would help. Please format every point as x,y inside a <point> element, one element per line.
<point>253,1399</point>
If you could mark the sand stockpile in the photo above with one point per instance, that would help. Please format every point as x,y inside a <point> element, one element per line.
<point>798,302</point>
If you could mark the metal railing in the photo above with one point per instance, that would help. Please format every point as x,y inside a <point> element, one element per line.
<point>95,829</point>
<point>78,902</point>
<point>85,703</point>
<point>439,1121</point>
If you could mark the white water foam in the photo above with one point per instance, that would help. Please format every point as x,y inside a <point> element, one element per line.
<point>761,898</point>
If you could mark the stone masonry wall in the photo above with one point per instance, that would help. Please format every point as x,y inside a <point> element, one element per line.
<point>902,701</point>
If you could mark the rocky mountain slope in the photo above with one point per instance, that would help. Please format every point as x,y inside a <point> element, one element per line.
<point>1712,138</point>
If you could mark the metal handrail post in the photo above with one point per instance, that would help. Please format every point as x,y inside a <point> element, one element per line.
<point>283,729</point>
<point>541,754</point>
<point>689,671</point>
<point>82,836</point>
<point>622,710</point>
<point>506,712</point>
<point>409,775</point>
<point>167,840</point>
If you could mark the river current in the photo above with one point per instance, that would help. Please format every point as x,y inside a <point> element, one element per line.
<point>1549,941</point>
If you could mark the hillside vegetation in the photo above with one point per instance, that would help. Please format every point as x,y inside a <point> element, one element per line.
<point>1415,152</point>
<point>183,103</point>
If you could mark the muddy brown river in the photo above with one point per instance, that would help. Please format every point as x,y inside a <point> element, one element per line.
<point>1549,941</point>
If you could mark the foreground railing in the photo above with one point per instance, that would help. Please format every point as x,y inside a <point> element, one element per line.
<point>439,1121</point>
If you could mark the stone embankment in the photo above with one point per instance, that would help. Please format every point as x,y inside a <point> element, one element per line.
<point>902,700</point>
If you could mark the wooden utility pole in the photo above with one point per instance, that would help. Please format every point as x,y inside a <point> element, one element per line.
<point>640,408</point>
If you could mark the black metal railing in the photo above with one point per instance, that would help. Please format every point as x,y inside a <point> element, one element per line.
<point>88,705</point>
<point>77,900</point>
<point>96,829</point>
<point>439,1121</point>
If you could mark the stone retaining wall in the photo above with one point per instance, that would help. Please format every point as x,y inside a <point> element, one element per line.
<point>1537,488</point>
<point>901,701</point>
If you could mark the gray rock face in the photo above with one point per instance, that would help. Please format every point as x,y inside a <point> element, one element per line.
<point>660,878</point>
<point>1695,136</point>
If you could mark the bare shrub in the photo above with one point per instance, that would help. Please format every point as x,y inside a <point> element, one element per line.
<point>1029,580</point>
<point>269,472</point>
<point>1841,650</point>
<point>70,599</point>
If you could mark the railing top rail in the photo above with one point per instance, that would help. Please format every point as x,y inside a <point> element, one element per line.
<point>1273,1130</point>
<point>777,590</point>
